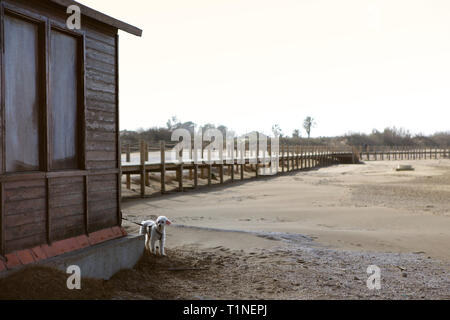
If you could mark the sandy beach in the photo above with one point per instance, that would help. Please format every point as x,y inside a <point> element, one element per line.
<point>317,231</point>
<point>302,235</point>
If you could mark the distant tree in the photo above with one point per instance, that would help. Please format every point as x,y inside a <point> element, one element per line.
<point>296,134</point>
<point>208,126</point>
<point>277,130</point>
<point>173,123</point>
<point>223,129</point>
<point>308,124</point>
<point>189,126</point>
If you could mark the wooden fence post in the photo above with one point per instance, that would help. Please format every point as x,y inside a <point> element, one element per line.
<point>314,155</point>
<point>195,175</point>
<point>163,166</point>
<point>293,158</point>
<point>221,167</point>
<point>301,158</point>
<point>309,158</point>
<point>180,177</point>
<point>257,156</point>
<point>210,164</point>
<point>264,159</point>
<point>288,158</point>
<point>143,171</point>
<point>147,174</point>
<point>146,151</point>
<point>128,160</point>
<point>128,153</point>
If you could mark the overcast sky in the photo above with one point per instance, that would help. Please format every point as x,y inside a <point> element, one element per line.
<point>353,65</point>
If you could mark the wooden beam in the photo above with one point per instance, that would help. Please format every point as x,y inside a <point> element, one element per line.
<point>221,173</point>
<point>86,206</point>
<point>48,219</point>
<point>210,163</point>
<point>301,158</point>
<point>257,156</point>
<point>288,156</point>
<point>180,177</point>
<point>147,174</point>
<point>143,169</point>
<point>163,167</point>
<point>195,175</point>
<point>118,145</point>
<point>100,17</point>
<point>2,219</point>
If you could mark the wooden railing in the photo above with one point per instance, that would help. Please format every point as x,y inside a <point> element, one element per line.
<point>372,153</point>
<point>144,161</point>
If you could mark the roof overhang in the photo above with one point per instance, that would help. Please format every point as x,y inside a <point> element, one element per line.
<point>101,17</point>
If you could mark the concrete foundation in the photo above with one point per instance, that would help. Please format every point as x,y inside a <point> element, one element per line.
<point>100,261</point>
<point>104,260</point>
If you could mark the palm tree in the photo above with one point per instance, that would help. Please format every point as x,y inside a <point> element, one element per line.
<point>308,124</point>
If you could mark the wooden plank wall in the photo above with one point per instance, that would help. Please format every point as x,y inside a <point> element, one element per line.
<point>41,207</point>
<point>25,208</point>
<point>102,128</point>
<point>66,206</point>
<point>101,114</point>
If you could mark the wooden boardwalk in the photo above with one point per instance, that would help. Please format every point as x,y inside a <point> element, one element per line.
<point>402,153</point>
<point>290,158</point>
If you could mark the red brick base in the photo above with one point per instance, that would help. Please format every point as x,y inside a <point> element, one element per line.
<point>29,256</point>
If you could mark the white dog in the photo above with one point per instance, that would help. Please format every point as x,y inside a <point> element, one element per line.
<point>154,231</point>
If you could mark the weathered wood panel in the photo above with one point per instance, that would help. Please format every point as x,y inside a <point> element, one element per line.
<point>101,164</point>
<point>103,57</point>
<point>101,146</point>
<point>102,126</point>
<point>101,117</point>
<point>25,213</point>
<point>96,105</point>
<point>66,205</point>
<point>96,75</point>
<point>101,136</point>
<point>25,218</point>
<point>101,37</point>
<point>100,96</point>
<point>99,45</point>
<point>102,201</point>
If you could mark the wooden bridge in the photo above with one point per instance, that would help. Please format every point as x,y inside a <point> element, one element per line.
<point>290,158</point>
<point>150,160</point>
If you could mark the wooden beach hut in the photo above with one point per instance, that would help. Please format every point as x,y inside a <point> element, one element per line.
<point>59,150</point>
